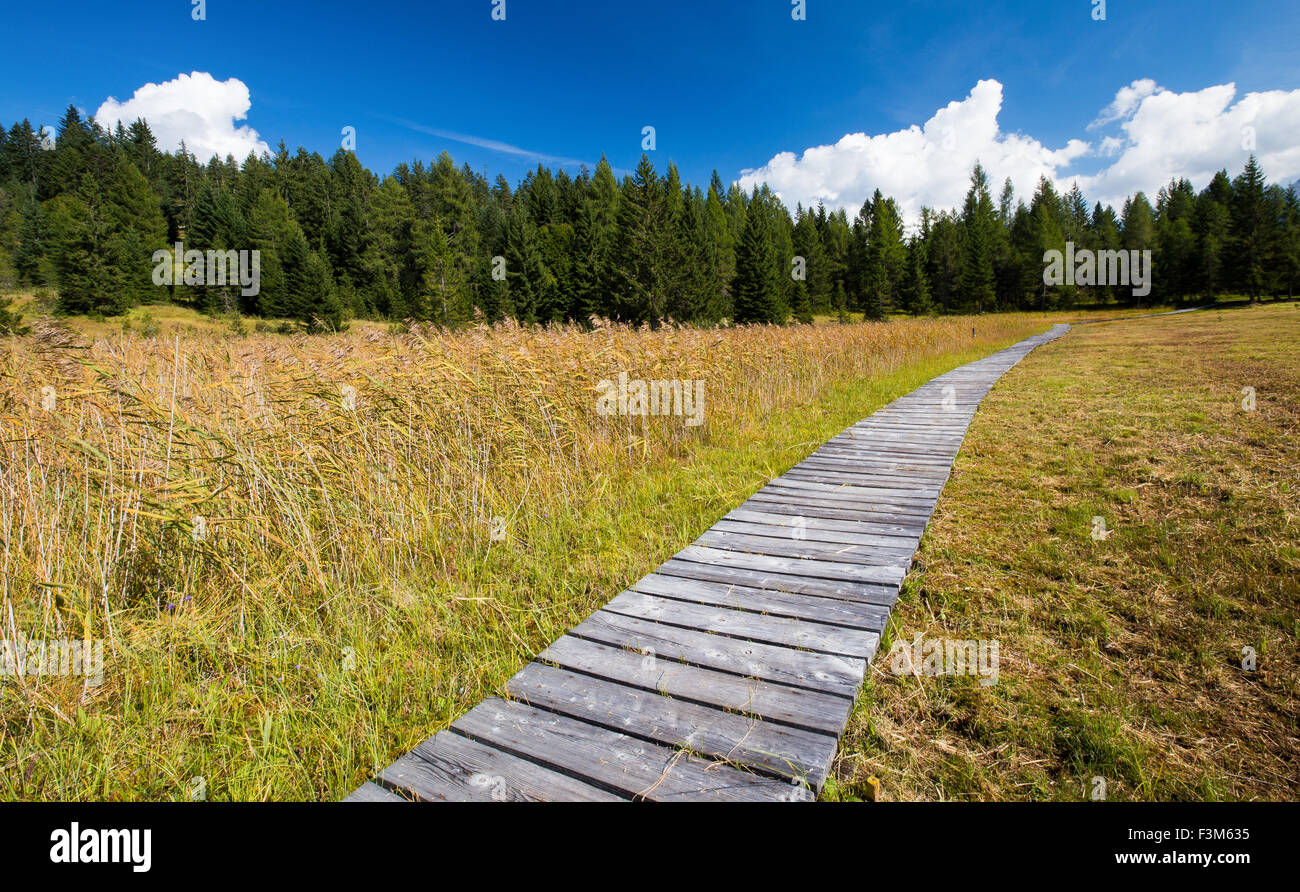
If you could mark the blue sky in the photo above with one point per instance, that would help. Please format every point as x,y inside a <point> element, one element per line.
<point>726,84</point>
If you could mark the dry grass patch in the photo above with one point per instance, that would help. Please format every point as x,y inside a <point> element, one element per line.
<point>1121,658</point>
<point>342,596</point>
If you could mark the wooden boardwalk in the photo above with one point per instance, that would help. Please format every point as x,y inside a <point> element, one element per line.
<point>730,672</point>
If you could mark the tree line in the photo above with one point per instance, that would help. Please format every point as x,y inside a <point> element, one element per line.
<point>441,243</point>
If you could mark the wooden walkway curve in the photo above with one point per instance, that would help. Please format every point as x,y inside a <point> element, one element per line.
<point>729,673</point>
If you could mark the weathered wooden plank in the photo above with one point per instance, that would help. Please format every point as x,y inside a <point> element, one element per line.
<point>915,414</point>
<point>900,471</point>
<point>825,713</point>
<point>899,546</point>
<point>861,484</point>
<point>775,581</point>
<point>910,438</point>
<point>372,792</point>
<point>806,669</point>
<point>850,493</point>
<point>943,423</point>
<point>779,515</point>
<point>770,748</point>
<point>867,479</point>
<point>909,434</point>
<point>936,456</point>
<point>827,611</point>
<point>896,473</point>
<point>895,477</point>
<point>884,595</point>
<point>815,569</point>
<point>845,491</point>
<point>904,523</point>
<point>449,767</point>
<point>846,450</point>
<point>850,456</point>
<point>953,427</point>
<point>805,548</point>
<point>840,497</point>
<point>637,768</point>
<point>746,625</point>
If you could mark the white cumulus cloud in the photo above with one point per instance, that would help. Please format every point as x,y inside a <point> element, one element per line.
<point>1167,135</point>
<point>922,165</point>
<point>196,108</point>
<point>1157,135</point>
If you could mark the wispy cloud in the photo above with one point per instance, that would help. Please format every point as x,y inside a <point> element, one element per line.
<point>492,145</point>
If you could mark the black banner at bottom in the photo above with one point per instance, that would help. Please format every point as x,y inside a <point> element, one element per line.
<point>336,842</point>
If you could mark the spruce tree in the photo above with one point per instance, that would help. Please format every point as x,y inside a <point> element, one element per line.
<point>914,295</point>
<point>885,258</point>
<point>756,289</point>
<point>978,220</point>
<point>637,265</point>
<point>1249,214</point>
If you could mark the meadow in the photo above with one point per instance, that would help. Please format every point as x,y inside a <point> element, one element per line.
<point>304,554</point>
<point>1159,655</point>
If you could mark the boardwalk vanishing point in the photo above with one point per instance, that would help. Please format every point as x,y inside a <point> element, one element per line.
<point>730,672</point>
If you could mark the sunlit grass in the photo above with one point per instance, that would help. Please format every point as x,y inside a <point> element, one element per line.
<point>345,597</point>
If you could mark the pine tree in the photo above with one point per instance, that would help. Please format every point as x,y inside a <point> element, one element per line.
<point>270,227</point>
<point>1176,243</point>
<point>30,259</point>
<point>594,234</point>
<point>1212,227</point>
<point>801,305</point>
<point>722,247</point>
<point>444,292</point>
<point>1249,216</point>
<point>638,268</point>
<point>808,245</point>
<point>24,154</point>
<point>70,161</point>
<point>531,284</point>
<point>674,253</point>
<point>756,289</point>
<point>978,221</point>
<point>1048,231</point>
<point>1105,237</point>
<point>944,253</point>
<point>886,257</point>
<point>914,295</point>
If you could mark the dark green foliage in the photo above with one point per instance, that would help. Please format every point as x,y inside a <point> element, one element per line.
<point>914,294</point>
<point>885,258</point>
<point>87,213</point>
<point>756,289</point>
<point>980,227</point>
<point>11,321</point>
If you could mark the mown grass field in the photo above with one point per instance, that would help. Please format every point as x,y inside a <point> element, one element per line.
<point>1121,657</point>
<point>286,542</point>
